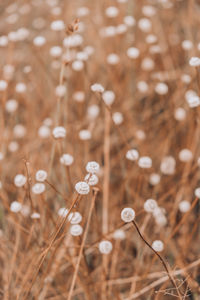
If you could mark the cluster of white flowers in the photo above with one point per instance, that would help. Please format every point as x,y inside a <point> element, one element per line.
<point>91,179</point>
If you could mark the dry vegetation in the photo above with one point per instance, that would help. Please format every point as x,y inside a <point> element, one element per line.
<point>117,83</point>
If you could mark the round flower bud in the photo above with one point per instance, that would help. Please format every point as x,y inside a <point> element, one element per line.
<point>93,111</point>
<point>127,214</point>
<point>119,234</point>
<point>145,162</point>
<point>61,90</point>
<point>3,85</point>
<point>39,41</point>
<point>197,192</point>
<point>38,188</point>
<point>35,215</point>
<point>92,167</point>
<point>161,88</point>
<point>3,41</point>
<point>19,131</point>
<point>91,179</point>
<point>59,132</point>
<point>57,25</point>
<point>154,179</point>
<point>185,155</point>
<point>140,134</point>
<point>133,52</point>
<point>13,146</point>
<point>186,78</point>
<point>66,159</point>
<point>147,64</point>
<point>117,118</point>
<point>142,86</point>
<point>180,114</point>
<point>84,134</point>
<point>20,87</point>
<point>79,96</point>
<point>184,206</point>
<point>144,24</point>
<point>11,105</point>
<point>55,51</point>
<point>151,38</point>
<point>193,101</point>
<point>161,220</point>
<point>150,205</point>
<point>129,21</point>
<point>75,218</point>
<point>158,246</point>
<point>19,180</point>
<point>44,132</point>
<point>148,10</point>
<point>41,175</point>
<point>97,87</point>
<point>108,97</point>
<point>83,11</point>
<point>132,154</point>
<point>105,247</point>
<point>194,61</point>
<point>15,206</point>
<point>76,230</point>
<point>82,188</point>
<point>62,212</point>
<point>77,65</point>
<point>112,59</point>
<point>187,45</point>
<point>168,165</point>
<point>111,11</point>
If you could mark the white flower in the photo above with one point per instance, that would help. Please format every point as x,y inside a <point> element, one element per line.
<point>44,132</point>
<point>132,154</point>
<point>158,245</point>
<point>76,230</point>
<point>161,88</point>
<point>75,218</point>
<point>105,247</point>
<point>185,155</point>
<point>35,215</point>
<point>79,96</point>
<point>61,90</point>
<point>108,97</point>
<point>92,167</point>
<point>41,175</point>
<point>133,52</point>
<point>59,132</point>
<point>117,118</point>
<point>180,114</point>
<point>15,206</point>
<point>194,61</point>
<point>150,205</point>
<point>55,51</point>
<point>97,87</point>
<point>19,131</point>
<point>62,212</point>
<point>82,188</point>
<point>154,179</point>
<point>91,179</point>
<point>127,214</point>
<point>144,24</point>
<point>142,86</point>
<point>20,87</point>
<point>193,101</point>
<point>197,192</point>
<point>145,162</point>
<point>93,111</point>
<point>77,65</point>
<point>168,165</point>
<point>38,188</point>
<point>187,45</point>
<point>112,59</point>
<point>3,85</point>
<point>85,134</point>
<point>39,41</point>
<point>184,206</point>
<point>129,21</point>
<point>19,180</point>
<point>119,234</point>
<point>112,11</point>
<point>66,159</point>
<point>57,25</point>
<point>11,105</point>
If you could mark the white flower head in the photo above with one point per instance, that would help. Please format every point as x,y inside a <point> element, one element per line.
<point>194,61</point>
<point>15,206</point>
<point>108,97</point>
<point>105,247</point>
<point>66,159</point>
<point>38,188</point>
<point>127,214</point>
<point>150,205</point>
<point>75,218</point>
<point>76,230</point>
<point>59,132</point>
<point>92,179</point>
<point>158,245</point>
<point>41,175</point>
<point>184,206</point>
<point>20,180</point>
<point>145,162</point>
<point>92,167</point>
<point>97,87</point>
<point>119,234</point>
<point>82,188</point>
<point>132,154</point>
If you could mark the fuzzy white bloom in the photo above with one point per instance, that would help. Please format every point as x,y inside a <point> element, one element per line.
<point>133,52</point>
<point>19,131</point>
<point>117,118</point>
<point>105,247</point>
<point>119,234</point>
<point>150,205</point>
<point>159,211</point>
<point>154,179</point>
<point>108,97</point>
<point>193,101</point>
<point>3,85</point>
<point>161,88</point>
<point>91,179</point>
<point>59,132</point>
<point>194,61</point>
<point>158,245</point>
<point>197,192</point>
<point>127,214</point>
<point>85,135</point>
<point>92,167</point>
<point>44,132</point>
<point>79,96</point>
<point>11,105</point>
<point>129,21</point>
<point>77,65</point>
<point>38,188</point>
<point>140,135</point>
<point>142,86</point>
<point>112,11</point>
<point>15,206</point>
<point>121,28</point>
<point>151,38</point>
<point>61,90</point>
<point>148,10</point>
<point>66,159</point>
<point>82,188</point>
<point>20,87</point>
<point>20,180</point>
<point>186,78</point>
<point>75,218</point>
<point>168,165</point>
<point>62,212</point>
<point>97,87</point>
<point>132,154</point>
<point>145,162</point>
<point>93,111</point>
<point>89,50</point>
<point>13,146</point>
<point>161,220</point>
<point>187,45</point>
<point>147,64</point>
<point>184,206</point>
<point>145,24</point>
<point>57,25</point>
<point>76,230</point>
<point>83,11</point>
<point>41,175</point>
<point>55,51</point>
<point>35,215</point>
<point>73,41</point>
<point>180,114</point>
<point>185,155</point>
<point>27,69</point>
<point>39,41</point>
<point>112,59</point>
